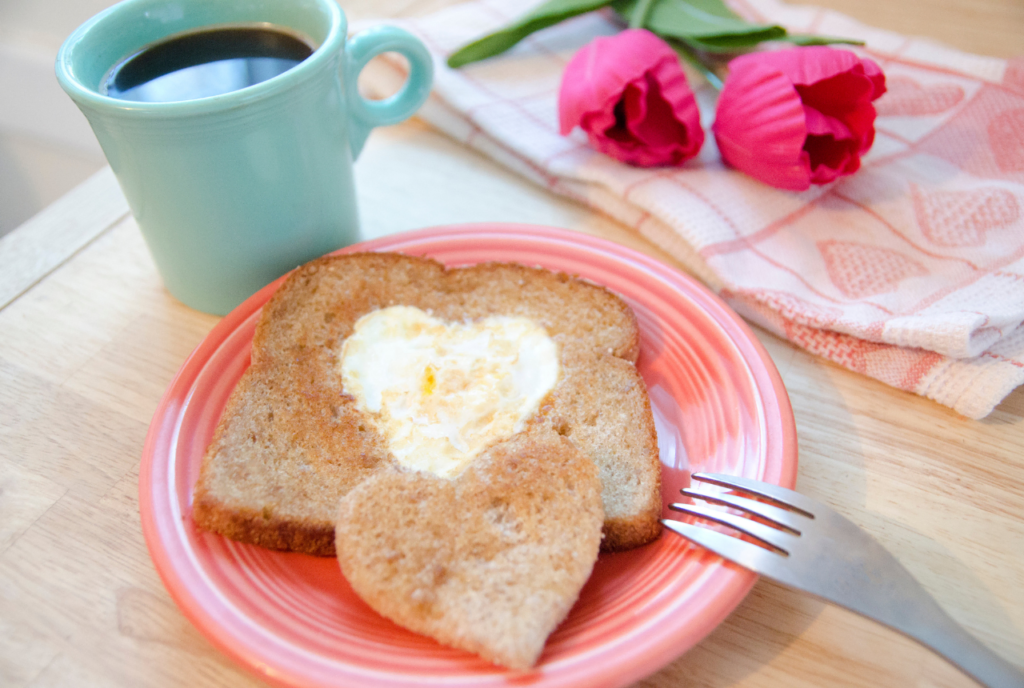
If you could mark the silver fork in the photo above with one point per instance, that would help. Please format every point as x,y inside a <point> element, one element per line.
<point>812,548</point>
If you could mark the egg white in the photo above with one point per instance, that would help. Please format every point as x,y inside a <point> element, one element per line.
<point>441,392</point>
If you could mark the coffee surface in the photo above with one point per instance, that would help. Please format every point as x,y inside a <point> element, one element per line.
<point>205,63</point>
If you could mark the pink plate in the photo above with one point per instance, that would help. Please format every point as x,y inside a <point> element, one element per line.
<point>294,621</point>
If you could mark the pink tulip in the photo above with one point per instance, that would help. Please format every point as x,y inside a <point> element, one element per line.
<point>796,117</point>
<point>628,93</point>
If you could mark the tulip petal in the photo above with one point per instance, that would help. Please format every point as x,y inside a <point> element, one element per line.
<point>630,95</point>
<point>837,94</point>
<point>873,72</point>
<point>835,89</point>
<point>831,147</point>
<point>668,128</point>
<point>846,97</point>
<point>760,126</point>
<point>634,105</point>
<point>836,82</point>
<point>596,74</point>
<point>820,124</point>
<point>808,65</point>
<point>675,91</point>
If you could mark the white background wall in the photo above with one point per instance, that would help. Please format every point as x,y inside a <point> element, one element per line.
<point>46,146</point>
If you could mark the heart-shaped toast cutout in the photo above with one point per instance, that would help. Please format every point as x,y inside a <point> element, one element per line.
<point>439,391</point>
<point>490,561</point>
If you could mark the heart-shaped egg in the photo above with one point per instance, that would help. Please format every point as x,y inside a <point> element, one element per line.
<point>440,392</point>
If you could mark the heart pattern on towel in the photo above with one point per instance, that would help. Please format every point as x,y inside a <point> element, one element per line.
<point>907,97</point>
<point>962,218</point>
<point>860,270</point>
<point>899,367</point>
<point>1006,139</point>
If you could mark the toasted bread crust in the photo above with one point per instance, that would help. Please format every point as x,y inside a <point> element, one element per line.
<point>291,443</point>
<point>601,405</point>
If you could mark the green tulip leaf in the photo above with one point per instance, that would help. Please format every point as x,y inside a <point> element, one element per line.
<point>733,43</point>
<point>704,26</point>
<point>698,19</point>
<point>547,14</point>
<point>808,39</point>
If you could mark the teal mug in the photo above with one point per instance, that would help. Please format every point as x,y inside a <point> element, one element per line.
<point>233,190</point>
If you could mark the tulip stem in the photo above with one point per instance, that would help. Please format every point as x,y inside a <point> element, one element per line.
<point>640,12</point>
<point>684,51</point>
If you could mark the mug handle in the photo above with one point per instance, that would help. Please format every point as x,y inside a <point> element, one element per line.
<point>367,114</point>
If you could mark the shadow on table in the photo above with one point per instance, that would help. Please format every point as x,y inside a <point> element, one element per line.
<point>1009,411</point>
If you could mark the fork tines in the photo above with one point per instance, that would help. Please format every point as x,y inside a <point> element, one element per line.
<point>811,547</point>
<point>785,520</point>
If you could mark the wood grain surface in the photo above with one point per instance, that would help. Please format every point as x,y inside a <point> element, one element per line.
<point>89,340</point>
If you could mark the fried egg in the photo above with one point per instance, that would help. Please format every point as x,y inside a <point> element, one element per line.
<point>442,392</point>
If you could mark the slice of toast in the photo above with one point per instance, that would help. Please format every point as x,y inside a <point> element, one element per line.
<point>291,443</point>
<point>490,561</point>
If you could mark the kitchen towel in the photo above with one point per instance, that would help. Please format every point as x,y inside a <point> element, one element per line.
<point>910,271</point>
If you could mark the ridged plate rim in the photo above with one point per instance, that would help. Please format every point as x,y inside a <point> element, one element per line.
<point>609,654</point>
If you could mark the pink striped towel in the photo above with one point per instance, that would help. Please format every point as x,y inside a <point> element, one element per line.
<point>910,271</point>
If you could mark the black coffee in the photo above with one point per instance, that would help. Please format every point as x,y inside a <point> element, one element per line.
<point>204,63</point>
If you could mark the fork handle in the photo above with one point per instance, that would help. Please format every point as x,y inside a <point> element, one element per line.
<point>880,588</point>
<point>949,639</point>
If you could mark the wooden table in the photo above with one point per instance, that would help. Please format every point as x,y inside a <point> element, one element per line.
<point>89,340</point>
